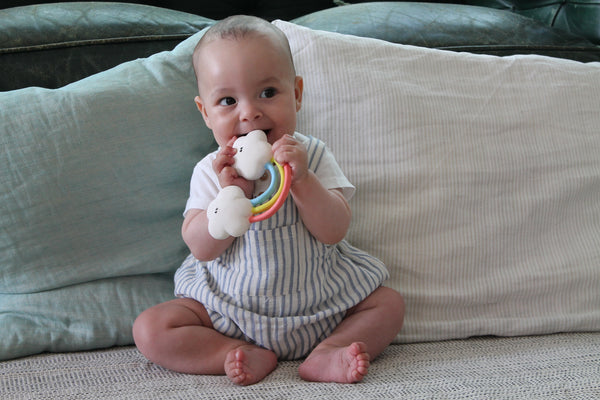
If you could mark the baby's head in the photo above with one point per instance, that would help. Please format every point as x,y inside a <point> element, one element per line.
<point>240,27</point>
<point>246,79</point>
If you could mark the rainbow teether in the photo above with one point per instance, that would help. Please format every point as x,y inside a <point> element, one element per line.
<point>231,213</point>
<point>266,205</point>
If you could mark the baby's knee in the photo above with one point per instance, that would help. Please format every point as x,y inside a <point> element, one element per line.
<point>392,301</point>
<point>387,295</point>
<point>396,299</point>
<point>144,328</point>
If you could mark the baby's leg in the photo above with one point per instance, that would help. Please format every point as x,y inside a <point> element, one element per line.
<point>179,335</point>
<point>366,331</point>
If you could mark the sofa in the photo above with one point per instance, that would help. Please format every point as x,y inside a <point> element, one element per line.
<point>471,132</point>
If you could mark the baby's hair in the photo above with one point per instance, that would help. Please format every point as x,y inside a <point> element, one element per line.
<point>238,27</point>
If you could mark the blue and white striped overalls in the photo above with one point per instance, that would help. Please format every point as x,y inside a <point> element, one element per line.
<point>277,286</point>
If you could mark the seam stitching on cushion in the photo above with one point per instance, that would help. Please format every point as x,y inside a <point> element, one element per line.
<point>584,49</point>
<point>560,7</point>
<point>91,42</point>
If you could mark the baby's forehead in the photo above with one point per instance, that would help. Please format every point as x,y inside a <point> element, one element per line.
<point>268,39</point>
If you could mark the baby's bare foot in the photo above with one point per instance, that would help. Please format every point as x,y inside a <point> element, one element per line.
<point>249,364</point>
<point>336,364</point>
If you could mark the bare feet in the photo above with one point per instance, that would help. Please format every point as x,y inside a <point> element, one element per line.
<point>249,364</point>
<point>336,364</point>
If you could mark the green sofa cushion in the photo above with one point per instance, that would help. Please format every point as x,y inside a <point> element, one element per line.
<point>456,27</point>
<point>51,45</point>
<point>93,180</point>
<point>579,17</point>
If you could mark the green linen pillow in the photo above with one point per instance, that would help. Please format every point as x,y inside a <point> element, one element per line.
<point>93,180</point>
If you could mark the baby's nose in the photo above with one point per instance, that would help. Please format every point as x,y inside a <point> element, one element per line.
<point>250,112</point>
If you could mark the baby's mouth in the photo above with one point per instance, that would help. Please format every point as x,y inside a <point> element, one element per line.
<point>266,131</point>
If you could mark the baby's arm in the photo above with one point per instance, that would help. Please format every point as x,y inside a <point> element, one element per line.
<point>195,234</point>
<point>195,225</point>
<point>325,212</point>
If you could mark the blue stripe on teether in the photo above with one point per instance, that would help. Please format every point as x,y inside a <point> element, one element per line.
<point>266,195</point>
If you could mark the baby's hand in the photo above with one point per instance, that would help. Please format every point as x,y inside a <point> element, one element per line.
<point>226,173</point>
<point>289,150</point>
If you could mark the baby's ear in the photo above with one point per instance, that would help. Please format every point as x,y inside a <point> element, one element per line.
<point>202,110</point>
<point>298,88</point>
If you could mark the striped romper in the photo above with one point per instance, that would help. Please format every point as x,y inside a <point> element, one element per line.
<point>277,286</point>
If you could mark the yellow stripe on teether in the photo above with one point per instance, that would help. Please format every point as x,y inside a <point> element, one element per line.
<point>265,206</point>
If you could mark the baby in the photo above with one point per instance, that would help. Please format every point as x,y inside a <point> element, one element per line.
<point>291,287</point>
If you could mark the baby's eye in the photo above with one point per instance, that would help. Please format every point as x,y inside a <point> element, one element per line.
<point>268,92</point>
<point>227,101</point>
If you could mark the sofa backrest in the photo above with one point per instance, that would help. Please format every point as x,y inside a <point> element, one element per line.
<point>51,45</point>
<point>580,17</point>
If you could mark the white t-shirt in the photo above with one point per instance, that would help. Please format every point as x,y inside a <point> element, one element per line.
<point>204,185</point>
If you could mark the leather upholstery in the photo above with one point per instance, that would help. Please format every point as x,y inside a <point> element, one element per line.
<point>268,9</point>
<point>51,45</point>
<point>579,17</point>
<point>452,27</point>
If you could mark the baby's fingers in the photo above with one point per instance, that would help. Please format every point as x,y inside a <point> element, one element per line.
<point>289,150</point>
<point>228,176</point>
<point>223,159</point>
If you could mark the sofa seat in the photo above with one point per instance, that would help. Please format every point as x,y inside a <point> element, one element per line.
<point>561,367</point>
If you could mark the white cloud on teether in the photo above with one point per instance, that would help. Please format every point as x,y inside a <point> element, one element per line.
<point>253,152</point>
<point>228,213</point>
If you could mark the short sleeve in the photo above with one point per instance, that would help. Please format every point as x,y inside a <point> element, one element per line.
<point>204,185</point>
<point>322,162</point>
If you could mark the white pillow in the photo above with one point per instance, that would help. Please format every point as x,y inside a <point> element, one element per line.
<point>478,179</point>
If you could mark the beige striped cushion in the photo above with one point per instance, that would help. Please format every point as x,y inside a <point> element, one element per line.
<point>478,179</point>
